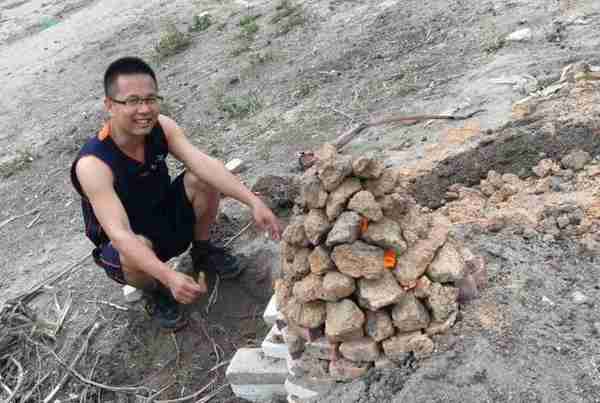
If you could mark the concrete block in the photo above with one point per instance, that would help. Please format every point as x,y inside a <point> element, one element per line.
<point>308,387</point>
<point>235,166</point>
<point>258,393</point>
<point>132,294</point>
<point>250,366</point>
<point>271,314</point>
<point>274,345</point>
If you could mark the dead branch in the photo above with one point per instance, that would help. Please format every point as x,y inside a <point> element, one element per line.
<point>236,236</point>
<point>213,394</point>
<point>212,341</point>
<point>80,354</point>
<point>349,135</point>
<point>97,301</point>
<point>35,219</point>
<point>19,380</point>
<point>32,292</point>
<point>33,389</point>
<point>16,217</point>
<point>176,350</point>
<point>219,365</point>
<point>189,397</point>
<point>167,386</point>
<point>83,397</point>
<point>81,378</point>
<point>214,295</point>
<point>306,159</point>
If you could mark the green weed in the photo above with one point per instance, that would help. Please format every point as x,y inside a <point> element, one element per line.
<point>171,41</point>
<point>20,162</point>
<point>201,23</point>
<point>239,106</point>
<point>288,16</point>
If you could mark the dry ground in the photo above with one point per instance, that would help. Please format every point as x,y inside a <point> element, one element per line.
<point>310,70</point>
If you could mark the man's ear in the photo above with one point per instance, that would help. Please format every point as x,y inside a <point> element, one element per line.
<point>108,104</point>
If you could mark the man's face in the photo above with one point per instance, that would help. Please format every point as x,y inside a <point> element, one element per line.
<point>136,119</point>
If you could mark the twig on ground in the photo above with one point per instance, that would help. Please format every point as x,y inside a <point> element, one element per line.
<point>6,388</point>
<point>32,292</point>
<point>16,217</point>
<point>236,236</point>
<point>214,344</point>
<point>35,219</point>
<point>176,350</point>
<point>340,112</point>
<point>167,386</point>
<point>19,380</point>
<point>213,394</point>
<point>219,365</point>
<point>80,354</point>
<point>37,385</point>
<point>189,397</point>
<point>214,295</point>
<point>83,397</point>
<point>63,314</point>
<point>81,378</point>
<point>112,305</point>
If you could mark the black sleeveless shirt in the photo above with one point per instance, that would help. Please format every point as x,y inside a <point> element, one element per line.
<point>139,186</point>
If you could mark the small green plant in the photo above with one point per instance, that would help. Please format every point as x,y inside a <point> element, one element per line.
<point>21,161</point>
<point>263,57</point>
<point>302,90</point>
<point>289,16</point>
<point>243,48</point>
<point>201,23</point>
<point>48,22</point>
<point>249,19</point>
<point>248,27</point>
<point>239,106</point>
<point>171,41</point>
<point>494,44</point>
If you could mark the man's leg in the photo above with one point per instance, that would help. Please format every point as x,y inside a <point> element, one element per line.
<point>160,303</point>
<point>205,202</point>
<point>206,256</point>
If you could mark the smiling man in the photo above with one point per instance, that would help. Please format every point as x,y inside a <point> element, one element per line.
<point>135,215</point>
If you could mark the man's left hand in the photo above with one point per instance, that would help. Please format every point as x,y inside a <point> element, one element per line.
<point>266,220</point>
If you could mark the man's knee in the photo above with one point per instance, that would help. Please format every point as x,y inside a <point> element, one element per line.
<point>198,191</point>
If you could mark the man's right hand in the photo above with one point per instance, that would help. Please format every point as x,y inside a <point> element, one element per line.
<point>184,288</point>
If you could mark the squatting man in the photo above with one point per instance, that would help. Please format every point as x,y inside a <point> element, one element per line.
<point>135,215</point>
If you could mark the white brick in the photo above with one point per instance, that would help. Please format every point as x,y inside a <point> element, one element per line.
<point>132,294</point>
<point>235,166</point>
<point>250,366</point>
<point>271,314</point>
<point>258,393</point>
<point>274,345</point>
<point>307,387</point>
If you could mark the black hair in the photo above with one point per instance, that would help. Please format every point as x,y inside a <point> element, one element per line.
<point>125,66</point>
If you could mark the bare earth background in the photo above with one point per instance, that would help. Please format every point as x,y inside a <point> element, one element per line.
<point>310,70</point>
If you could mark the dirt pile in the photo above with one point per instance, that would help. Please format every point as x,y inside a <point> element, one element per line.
<point>368,274</point>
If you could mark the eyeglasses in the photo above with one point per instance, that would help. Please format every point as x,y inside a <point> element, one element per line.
<point>138,101</point>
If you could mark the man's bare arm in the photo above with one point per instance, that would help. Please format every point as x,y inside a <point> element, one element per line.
<point>213,172</point>
<point>97,183</point>
<point>206,168</point>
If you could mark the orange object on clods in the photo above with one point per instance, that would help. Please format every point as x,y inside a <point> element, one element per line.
<point>389,259</point>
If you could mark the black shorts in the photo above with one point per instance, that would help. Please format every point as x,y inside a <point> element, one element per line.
<point>171,233</point>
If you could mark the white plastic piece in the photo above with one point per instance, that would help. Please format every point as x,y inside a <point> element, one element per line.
<point>271,313</point>
<point>273,345</point>
<point>132,294</point>
<point>235,166</point>
<point>299,391</point>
